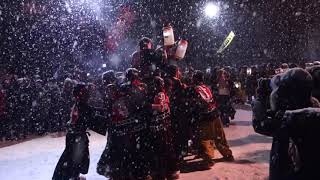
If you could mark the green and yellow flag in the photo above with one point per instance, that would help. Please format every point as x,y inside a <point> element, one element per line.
<point>226,42</point>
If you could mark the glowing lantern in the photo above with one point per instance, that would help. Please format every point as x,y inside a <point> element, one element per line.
<point>181,49</point>
<point>168,35</point>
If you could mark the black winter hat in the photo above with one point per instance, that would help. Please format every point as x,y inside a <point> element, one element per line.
<point>109,76</point>
<point>198,77</point>
<point>132,74</point>
<point>294,87</point>
<point>143,42</point>
<point>297,78</point>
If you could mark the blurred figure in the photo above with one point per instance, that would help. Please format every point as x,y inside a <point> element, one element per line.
<point>66,102</point>
<point>315,73</point>
<point>179,109</point>
<point>109,86</point>
<point>38,117</point>
<point>251,83</point>
<point>23,109</point>
<point>161,153</point>
<point>125,156</point>
<point>291,122</point>
<point>52,98</point>
<point>96,98</point>
<point>293,65</point>
<point>110,91</point>
<point>284,67</point>
<point>75,158</point>
<point>147,60</point>
<point>11,87</point>
<point>187,78</point>
<point>225,92</point>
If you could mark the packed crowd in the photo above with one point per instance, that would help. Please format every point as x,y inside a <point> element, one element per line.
<point>31,107</point>
<point>156,111</point>
<point>153,111</point>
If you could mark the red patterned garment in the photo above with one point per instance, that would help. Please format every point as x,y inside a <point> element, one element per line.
<point>206,96</point>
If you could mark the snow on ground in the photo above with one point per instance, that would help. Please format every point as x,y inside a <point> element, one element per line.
<point>36,159</point>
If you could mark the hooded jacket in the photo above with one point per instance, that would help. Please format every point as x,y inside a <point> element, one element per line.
<point>292,127</point>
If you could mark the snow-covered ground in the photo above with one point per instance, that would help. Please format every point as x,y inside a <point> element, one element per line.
<point>36,159</point>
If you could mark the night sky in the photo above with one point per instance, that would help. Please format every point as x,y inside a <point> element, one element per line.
<point>49,34</point>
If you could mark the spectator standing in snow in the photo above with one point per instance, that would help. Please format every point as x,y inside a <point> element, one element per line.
<point>145,44</point>
<point>291,122</point>
<point>52,107</point>
<point>251,83</point>
<point>39,120</point>
<point>225,91</point>
<point>66,102</point>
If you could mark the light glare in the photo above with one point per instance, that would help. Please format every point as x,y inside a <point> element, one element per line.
<point>211,10</point>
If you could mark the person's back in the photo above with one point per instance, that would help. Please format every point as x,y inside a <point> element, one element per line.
<point>124,154</point>
<point>293,152</point>
<point>303,125</point>
<point>207,125</point>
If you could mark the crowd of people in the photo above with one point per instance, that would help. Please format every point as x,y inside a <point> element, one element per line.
<point>153,110</point>
<point>150,115</point>
<point>33,106</point>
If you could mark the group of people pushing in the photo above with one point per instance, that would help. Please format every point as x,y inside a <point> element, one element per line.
<point>149,119</point>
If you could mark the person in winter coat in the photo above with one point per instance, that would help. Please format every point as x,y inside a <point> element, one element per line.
<point>144,44</point>
<point>251,83</point>
<point>225,88</point>
<point>110,91</point>
<point>52,97</point>
<point>125,156</point>
<point>66,102</point>
<point>161,154</point>
<point>147,60</point>
<point>291,122</point>
<point>39,120</point>
<point>75,158</point>
<point>208,128</point>
<point>178,108</point>
<point>23,110</point>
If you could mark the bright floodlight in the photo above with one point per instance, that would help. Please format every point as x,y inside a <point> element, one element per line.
<point>211,10</point>
<point>104,65</point>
